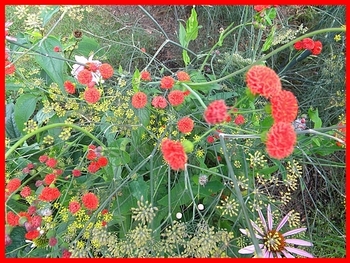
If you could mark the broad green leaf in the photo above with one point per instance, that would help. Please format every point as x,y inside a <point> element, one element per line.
<point>135,82</point>
<point>192,26</point>
<point>185,57</point>
<point>24,108</point>
<point>87,46</point>
<point>139,188</point>
<point>9,85</point>
<point>18,240</point>
<point>268,170</point>
<point>50,61</point>
<point>182,36</point>
<point>11,128</point>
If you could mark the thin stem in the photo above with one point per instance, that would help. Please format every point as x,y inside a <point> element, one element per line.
<point>48,127</point>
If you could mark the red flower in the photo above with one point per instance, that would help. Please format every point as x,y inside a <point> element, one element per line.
<point>73,207</point>
<point>26,191</point>
<point>263,80</point>
<point>167,82</point>
<point>259,8</point>
<point>49,194</point>
<point>9,68</point>
<point>239,120</point>
<point>56,49</point>
<point>12,219</point>
<point>102,161</point>
<point>176,97</point>
<point>174,154</point>
<point>84,76</point>
<point>183,76</point>
<point>49,179</point>
<point>281,139</point>
<point>308,43</point>
<point>43,158</point>
<point>51,162</point>
<point>32,234</point>
<point>52,241</point>
<point>66,253</point>
<point>106,70</point>
<point>146,76</point>
<point>69,87</point>
<point>76,172</point>
<point>159,102</point>
<point>187,92</point>
<point>284,106</point>
<point>93,167</point>
<point>13,185</point>
<point>298,45</point>
<point>317,48</point>
<point>216,112</point>
<point>91,155</point>
<point>210,139</point>
<point>185,125</point>
<point>139,100</point>
<point>90,201</point>
<point>92,95</point>
<point>91,66</point>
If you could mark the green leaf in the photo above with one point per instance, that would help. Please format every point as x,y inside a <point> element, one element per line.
<point>269,39</point>
<point>135,82</point>
<point>11,128</point>
<point>268,170</point>
<point>47,13</point>
<point>313,115</point>
<point>24,108</point>
<point>179,196</point>
<point>185,57</point>
<point>18,240</point>
<point>192,26</point>
<point>182,36</point>
<point>51,62</point>
<point>139,188</point>
<point>87,46</point>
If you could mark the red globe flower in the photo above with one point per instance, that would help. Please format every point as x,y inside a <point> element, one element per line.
<point>13,185</point>
<point>284,106</point>
<point>139,100</point>
<point>317,48</point>
<point>92,95</point>
<point>216,112</point>
<point>145,76</point>
<point>90,201</point>
<point>183,76</point>
<point>239,120</point>
<point>159,102</point>
<point>106,71</point>
<point>263,80</point>
<point>49,194</point>
<point>298,45</point>
<point>176,97</point>
<point>185,125</point>
<point>281,139</point>
<point>73,207</point>
<point>308,43</point>
<point>167,82</point>
<point>174,154</point>
<point>84,76</point>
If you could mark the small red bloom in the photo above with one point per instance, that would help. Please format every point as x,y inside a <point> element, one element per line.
<point>183,76</point>
<point>9,68</point>
<point>73,207</point>
<point>174,154</point>
<point>317,48</point>
<point>66,253</point>
<point>187,92</point>
<point>56,49</point>
<point>106,70</point>
<point>239,120</point>
<point>84,76</point>
<point>69,87</point>
<point>146,76</point>
<point>13,185</point>
<point>281,139</point>
<point>176,97</point>
<point>90,201</point>
<point>91,155</point>
<point>32,234</point>
<point>49,194</point>
<point>76,172</point>
<point>52,241</point>
<point>284,106</point>
<point>26,191</point>
<point>185,125</point>
<point>159,102</point>
<point>308,43</point>
<point>139,100</point>
<point>12,219</point>
<point>210,139</point>
<point>102,161</point>
<point>259,8</point>
<point>263,80</point>
<point>216,112</point>
<point>93,167</point>
<point>91,66</point>
<point>43,158</point>
<point>51,162</point>
<point>49,179</point>
<point>298,45</point>
<point>167,82</point>
<point>143,50</point>
<point>92,95</point>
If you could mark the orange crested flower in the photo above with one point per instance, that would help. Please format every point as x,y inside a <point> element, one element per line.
<point>284,106</point>
<point>281,139</point>
<point>216,112</point>
<point>174,154</point>
<point>176,97</point>
<point>92,95</point>
<point>106,70</point>
<point>90,201</point>
<point>263,80</point>
<point>167,82</point>
<point>185,125</point>
<point>84,77</point>
<point>159,102</point>
<point>49,194</point>
<point>139,100</point>
<point>183,76</point>
<point>145,75</point>
<point>69,87</point>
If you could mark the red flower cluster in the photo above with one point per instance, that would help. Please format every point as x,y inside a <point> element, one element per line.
<point>167,82</point>
<point>281,139</point>
<point>263,80</point>
<point>50,178</point>
<point>12,219</point>
<point>259,8</point>
<point>25,192</point>
<point>284,106</point>
<point>73,207</point>
<point>174,154</point>
<point>84,76</point>
<point>97,160</point>
<point>307,43</point>
<point>159,102</point>
<point>239,119</point>
<point>216,112</point>
<point>92,95</point>
<point>9,68</point>
<point>185,125</point>
<point>49,194</point>
<point>13,185</point>
<point>90,201</point>
<point>69,87</point>
<point>139,100</point>
<point>145,76</point>
<point>176,97</point>
<point>183,76</point>
<point>106,70</point>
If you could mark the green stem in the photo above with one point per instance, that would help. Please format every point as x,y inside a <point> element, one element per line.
<point>48,127</point>
<point>321,31</point>
<point>194,94</point>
